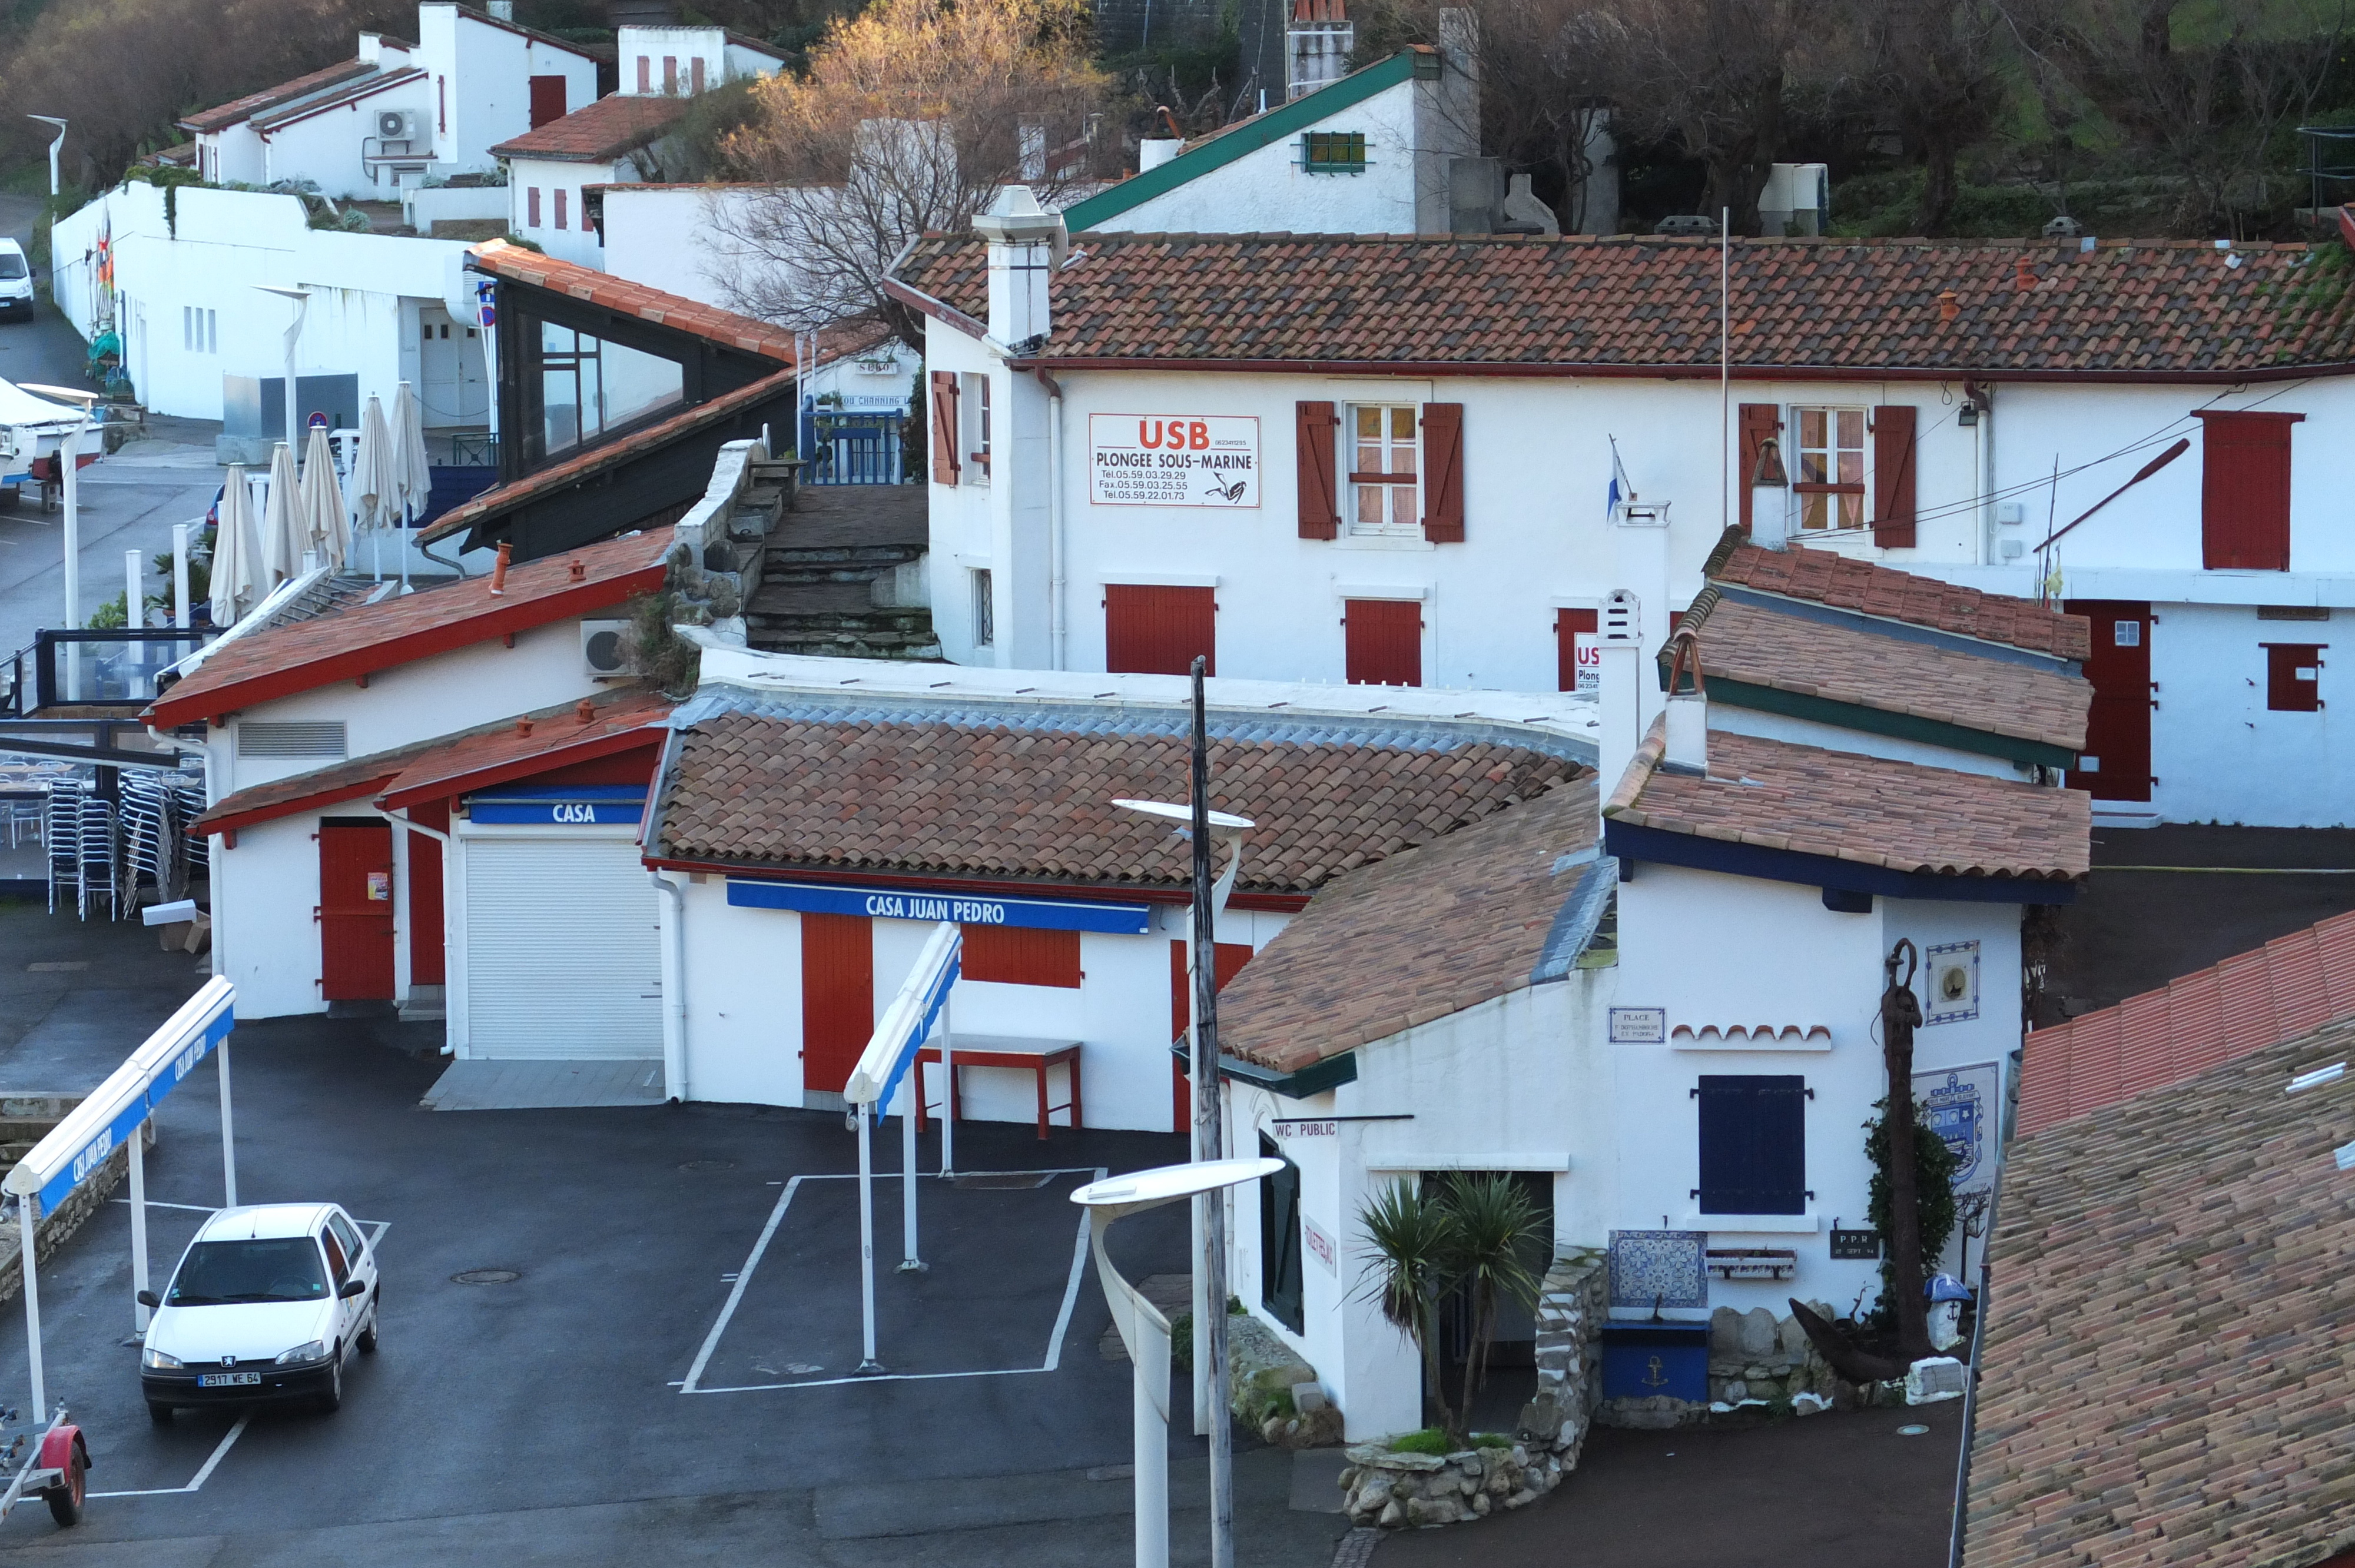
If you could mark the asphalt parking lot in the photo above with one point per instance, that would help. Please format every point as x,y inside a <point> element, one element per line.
<point>546,1419</point>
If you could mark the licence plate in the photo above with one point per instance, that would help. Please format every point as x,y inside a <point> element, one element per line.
<point>229,1380</point>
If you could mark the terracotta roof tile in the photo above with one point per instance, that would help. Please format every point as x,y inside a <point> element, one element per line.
<point>1427,932</point>
<point>1902,816</point>
<point>611,722</point>
<point>354,779</point>
<point>1761,647</point>
<point>253,103</point>
<point>2169,1354</point>
<point>2139,307</point>
<point>360,639</point>
<point>2292,985</point>
<point>598,133</point>
<point>1869,589</point>
<point>1011,801</point>
<point>749,334</point>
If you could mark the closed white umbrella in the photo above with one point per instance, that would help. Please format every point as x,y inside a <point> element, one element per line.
<point>326,528</point>
<point>237,552</point>
<point>373,488</point>
<point>414,475</point>
<point>283,535</point>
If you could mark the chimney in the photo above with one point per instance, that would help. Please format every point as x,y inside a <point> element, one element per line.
<point>500,10</point>
<point>499,567</point>
<point>2023,276</point>
<point>1948,309</point>
<point>1025,243</point>
<point>1688,712</point>
<point>1770,512</point>
<point>1620,643</point>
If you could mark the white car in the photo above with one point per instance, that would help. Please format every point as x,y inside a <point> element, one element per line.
<point>16,281</point>
<point>266,1305</point>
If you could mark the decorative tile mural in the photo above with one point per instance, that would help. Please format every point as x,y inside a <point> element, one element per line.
<point>1668,1268</point>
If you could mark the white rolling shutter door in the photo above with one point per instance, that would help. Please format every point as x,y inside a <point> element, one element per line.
<point>563,950</point>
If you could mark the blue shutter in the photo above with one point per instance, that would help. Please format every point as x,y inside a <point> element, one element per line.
<point>1753,1145</point>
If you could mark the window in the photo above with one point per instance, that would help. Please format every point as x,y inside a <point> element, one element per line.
<point>547,100</point>
<point>283,1268</point>
<point>354,1248</point>
<point>588,385</point>
<point>561,196</point>
<point>670,75</point>
<point>1385,488</point>
<point>1753,1145</point>
<point>1333,151</point>
<point>2293,676</point>
<point>199,328</point>
<point>984,610</point>
<point>531,206</point>
<point>646,74</point>
<point>695,74</point>
<point>973,408</point>
<point>1831,468</point>
<point>2245,491</point>
<point>337,1262</point>
<point>1279,1240</point>
<point>1381,641</point>
<point>1154,631</point>
<point>1015,955</point>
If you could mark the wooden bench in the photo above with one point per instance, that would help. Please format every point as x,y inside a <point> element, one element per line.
<point>1005,1051</point>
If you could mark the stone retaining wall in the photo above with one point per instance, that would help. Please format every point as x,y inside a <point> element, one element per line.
<point>55,1230</point>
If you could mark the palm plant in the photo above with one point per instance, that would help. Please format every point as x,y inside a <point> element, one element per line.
<point>1411,1233</point>
<point>1496,1242</point>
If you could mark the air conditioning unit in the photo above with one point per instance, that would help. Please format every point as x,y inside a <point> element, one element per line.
<point>605,648</point>
<point>397,125</point>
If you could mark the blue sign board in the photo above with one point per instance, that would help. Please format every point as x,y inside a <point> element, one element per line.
<point>931,903</point>
<point>566,804</point>
<point>141,1096</point>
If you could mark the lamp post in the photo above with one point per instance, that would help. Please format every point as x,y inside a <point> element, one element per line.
<point>1206,827</point>
<point>1145,1332</point>
<point>56,142</point>
<point>302,298</point>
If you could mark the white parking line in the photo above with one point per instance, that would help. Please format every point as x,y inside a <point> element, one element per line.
<point>776,1215</point>
<point>227,1442</point>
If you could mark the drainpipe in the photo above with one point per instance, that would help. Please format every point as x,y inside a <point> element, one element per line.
<point>449,1047</point>
<point>675,993</point>
<point>426,550</point>
<point>1055,518</point>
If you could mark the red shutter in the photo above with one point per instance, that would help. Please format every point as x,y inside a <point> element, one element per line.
<point>531,206</point>
<point>1015,955</point>
<point>695,75</point>
<point>1892,477</point>
<point>1320,512</point>
<point>2293,676</point>
<point>1226,961</point>
<point>1567,626</point>
<point>645,75</point>
<point>945,426</point>
<point>560,195</point>
<point>2245,491</point>
<point>426,958</point>
<point>1443,474</point>
<point>1759,422</point>
<point>1151,631</point>
<point>837,997</point>
<point>547,100</point>
<point>1381,641</point>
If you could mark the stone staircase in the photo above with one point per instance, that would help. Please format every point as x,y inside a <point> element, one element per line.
<point>842,577</point>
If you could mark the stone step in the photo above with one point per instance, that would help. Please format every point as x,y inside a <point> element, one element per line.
<point>796,574</point>
<point>783,552</point>
<point>847,647</point>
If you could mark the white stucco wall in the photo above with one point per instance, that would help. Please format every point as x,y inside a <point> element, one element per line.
<point>265,937</point>
<point>480,75</point>
<point>2219,754</point>
<point>577,241</point>
<point>327,146</point>
<point>671,237</point>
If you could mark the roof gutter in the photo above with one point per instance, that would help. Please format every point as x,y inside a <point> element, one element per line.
<point>1314,1079</point>
<point>1269,903</point>
<point>1635,843</point>
<point>1461,369</point>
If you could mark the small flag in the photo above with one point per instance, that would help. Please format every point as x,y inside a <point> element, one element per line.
<point>1622,492</point>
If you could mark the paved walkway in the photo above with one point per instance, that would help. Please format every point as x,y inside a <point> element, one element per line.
<point>545,1085</point>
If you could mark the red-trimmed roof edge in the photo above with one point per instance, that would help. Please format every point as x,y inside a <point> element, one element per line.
<point>949,315</point>
<point>558,756</point>
<point>464,631</point>
<point>334,795</point>
<point>1079,891</point>
<point>1468,369</point>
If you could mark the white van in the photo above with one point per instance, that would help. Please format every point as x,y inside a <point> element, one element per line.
<point>16,281</point>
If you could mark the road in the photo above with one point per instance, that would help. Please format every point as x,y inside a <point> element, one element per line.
<point>128,502</point>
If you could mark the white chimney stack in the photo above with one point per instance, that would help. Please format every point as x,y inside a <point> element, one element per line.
<point>1026,242</point>
<point>1620,643</point>
<point>1687,750</point>
<point>1770,498</point>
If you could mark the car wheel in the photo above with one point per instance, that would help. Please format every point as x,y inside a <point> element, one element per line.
<point>161,1414</point>
<point>367,1335</point>
<point>65,1499</point>
<point>332,1399</point>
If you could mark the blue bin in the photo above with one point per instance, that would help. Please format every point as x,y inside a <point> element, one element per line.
<point>1642,1361</point>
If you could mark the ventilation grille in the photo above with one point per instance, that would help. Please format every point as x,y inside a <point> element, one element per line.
<point>297,738</point>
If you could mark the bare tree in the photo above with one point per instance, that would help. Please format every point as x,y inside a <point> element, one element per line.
<point>1938,67</point>
<point>912,117</point>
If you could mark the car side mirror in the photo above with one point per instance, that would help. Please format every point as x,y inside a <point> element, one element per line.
<point>352,1288</point>
<point>149,1298</point>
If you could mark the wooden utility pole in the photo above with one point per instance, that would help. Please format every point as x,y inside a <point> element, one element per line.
<point>1901,1014</point>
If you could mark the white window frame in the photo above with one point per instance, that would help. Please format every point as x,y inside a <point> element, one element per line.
<point>972,428</point>
<point>1352,524</point>
<point>984,607</point>
<point>1831,449</point>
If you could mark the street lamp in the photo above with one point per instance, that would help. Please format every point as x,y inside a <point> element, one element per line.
<point>302,298</point>
<point>1144,1330</point>
<point>55,143</point>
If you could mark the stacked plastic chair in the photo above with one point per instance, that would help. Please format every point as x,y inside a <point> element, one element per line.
<point>147,839</point>
<point>196,848</point>
<point>99,855</point>
<point>61,832</point>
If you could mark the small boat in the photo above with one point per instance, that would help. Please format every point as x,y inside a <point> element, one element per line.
<point>32,428</point>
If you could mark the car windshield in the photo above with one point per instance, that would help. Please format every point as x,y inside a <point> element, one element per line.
<point>11,264</point>
<point>215,1273</point>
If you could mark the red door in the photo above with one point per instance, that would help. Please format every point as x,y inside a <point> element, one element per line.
<point>547,100</point>
<point>355,911</point>
<point>1154,631</point>
<point>1569,626</point>
<point>1226,962</point>
<point>837,997</point>
<point>2115,765</point>
<point>1381,641</point>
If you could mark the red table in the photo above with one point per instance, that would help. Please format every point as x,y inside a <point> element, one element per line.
<point>1005,1051</point>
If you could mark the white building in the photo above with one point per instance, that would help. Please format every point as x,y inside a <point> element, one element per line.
<point>398,112</point>
<point>1411,483</point>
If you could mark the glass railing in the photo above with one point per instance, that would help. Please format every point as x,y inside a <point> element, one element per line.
<point>106,668</point>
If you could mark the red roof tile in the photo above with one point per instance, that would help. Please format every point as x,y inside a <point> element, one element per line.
<point>749,334</point>
<point>2138,308</point>
<point>362,638</point>
<point>2289,987</point>
<point>1929,821</point>
<point>593,727</point>
<point>253,104</point>
<point>597,133</point>
<point>1869,589</point>
<point>1427,932</point>
<point>355,778</point>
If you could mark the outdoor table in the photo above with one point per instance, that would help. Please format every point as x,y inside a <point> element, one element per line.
<point>1005,1051</point>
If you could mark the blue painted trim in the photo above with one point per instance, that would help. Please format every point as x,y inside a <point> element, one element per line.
<point>1899,630</point>
<point>886,903</point>
<point>141,1103</point>
<point>1630,841</point>
<point>568,804</point>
